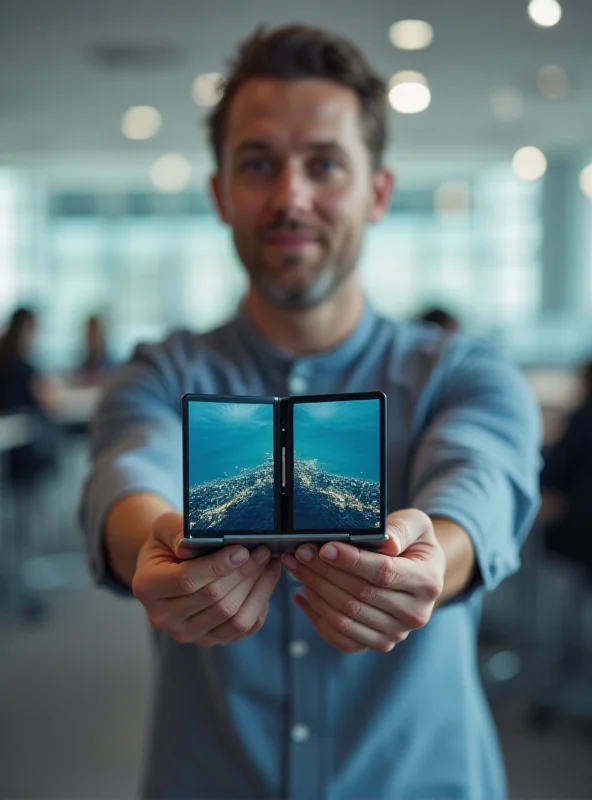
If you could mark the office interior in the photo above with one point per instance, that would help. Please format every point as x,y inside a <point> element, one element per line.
<point>105,211</point>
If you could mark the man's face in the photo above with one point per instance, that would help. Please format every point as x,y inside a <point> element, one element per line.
<point>297,187</point>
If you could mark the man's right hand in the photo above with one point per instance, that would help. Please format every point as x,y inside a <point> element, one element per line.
<point>213,599</point>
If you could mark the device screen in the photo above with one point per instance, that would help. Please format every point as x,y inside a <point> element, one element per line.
<point>231,476</point>
<point>337,465</point>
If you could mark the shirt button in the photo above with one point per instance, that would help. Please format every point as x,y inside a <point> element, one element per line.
<point>298,648</point>
<point>300,733</point>
<point>297,384</point>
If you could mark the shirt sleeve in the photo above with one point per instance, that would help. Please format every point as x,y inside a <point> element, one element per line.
<point>478,460</point>
<point>136,446</point>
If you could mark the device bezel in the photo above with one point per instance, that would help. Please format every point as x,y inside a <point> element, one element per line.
<point>214,536</point>
<point>379,532</point>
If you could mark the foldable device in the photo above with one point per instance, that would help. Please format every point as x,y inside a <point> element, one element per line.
<point>282,471</point>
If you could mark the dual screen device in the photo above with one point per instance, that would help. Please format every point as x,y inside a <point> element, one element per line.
<point>284,470</point>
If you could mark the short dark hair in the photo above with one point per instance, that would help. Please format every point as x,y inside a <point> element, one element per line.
<point>298,52</point>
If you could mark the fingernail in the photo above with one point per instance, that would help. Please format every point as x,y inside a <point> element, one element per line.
<point>239,556</point>
<point>305,553</point>
<point>329,552</point>
<point>289,561</point>
<point>261,555</point>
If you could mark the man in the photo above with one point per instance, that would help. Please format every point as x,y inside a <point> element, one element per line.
<point>331,684</point>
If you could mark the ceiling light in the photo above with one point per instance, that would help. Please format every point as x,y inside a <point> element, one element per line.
<point>586,181</point>
<point>208,88</point>
<point>545,12</point>
<point>507,104</point>
<point>529,164</point>
<point>552,82</point>
<point>411,34</point>
<point>170,173</point>
<point>141,122</point>
<point>409,92</point>
<point>452,197</point>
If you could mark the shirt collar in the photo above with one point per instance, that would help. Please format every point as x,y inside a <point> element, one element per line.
<point>341,355</point>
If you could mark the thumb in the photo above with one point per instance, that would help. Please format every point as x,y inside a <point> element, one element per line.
<point>168,530</point>
<point>392,546</point>
<point>405,528</point>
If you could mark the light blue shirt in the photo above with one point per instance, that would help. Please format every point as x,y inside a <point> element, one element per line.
<point>282,714</point>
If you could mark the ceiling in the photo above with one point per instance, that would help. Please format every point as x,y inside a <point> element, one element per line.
<point>60,108</point>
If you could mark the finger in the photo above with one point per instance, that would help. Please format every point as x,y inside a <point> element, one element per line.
<point>196,626</point>
<point>380,569</point>
<point>225,611</point>
<point>253,609</point>
<point>168,530</point>
<point>410,532</point>
<point>351,566</point>
<point>172,612</point>
<point>390,612</point>
<point>160,577</point>
<point>351,606</point>
<point>210,641</point>
<point>324,630</point>
<point>348,627</point>
<point>406,528</point>
<point>356,587</point>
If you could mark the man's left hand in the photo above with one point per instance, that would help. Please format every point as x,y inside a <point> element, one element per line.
<point>371,599</point>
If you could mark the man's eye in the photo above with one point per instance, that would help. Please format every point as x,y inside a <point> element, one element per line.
<point>323,166</point>
<point>258,166</point>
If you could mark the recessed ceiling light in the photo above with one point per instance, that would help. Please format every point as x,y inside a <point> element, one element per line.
<point>208,88</point>
<point>411,34</point>
<point>545,12</point>
<point>507,103</point>
<point>170,173</point>
<point>586,181</point>
<point>552,82</point>
<point>409,92</point>
<point>529,164</point>
<point>452,197</point>
<point>141,122</point>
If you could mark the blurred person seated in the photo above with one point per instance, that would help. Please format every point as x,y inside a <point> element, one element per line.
<point>442,318</point>
<point>566,482</point>
<point>96,361</point>
<point>24,389</point>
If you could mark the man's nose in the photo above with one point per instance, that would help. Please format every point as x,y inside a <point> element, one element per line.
<point>293,191</point>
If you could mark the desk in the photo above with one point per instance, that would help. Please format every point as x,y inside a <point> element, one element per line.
<point>77,404</point>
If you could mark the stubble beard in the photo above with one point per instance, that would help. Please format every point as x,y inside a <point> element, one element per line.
<point>329,278</point>
<point>324,285</point>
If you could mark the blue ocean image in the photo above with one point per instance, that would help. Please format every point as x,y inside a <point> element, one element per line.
<point>337,465</point>
<point>231,474</point>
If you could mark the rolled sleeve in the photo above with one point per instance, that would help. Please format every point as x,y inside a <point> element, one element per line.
<point>478,461</point>
<point>136,446</point>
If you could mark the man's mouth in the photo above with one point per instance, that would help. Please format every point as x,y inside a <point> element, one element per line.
<point>290,240</point>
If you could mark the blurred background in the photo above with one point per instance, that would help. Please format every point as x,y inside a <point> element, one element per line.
<point>108,237</point>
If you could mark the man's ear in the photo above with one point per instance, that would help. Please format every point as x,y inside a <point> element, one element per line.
<point>216,190</point>
<point>383,184</point>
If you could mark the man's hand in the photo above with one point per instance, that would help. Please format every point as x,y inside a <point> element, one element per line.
<point>209,600</point>
<point>361,599</point>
